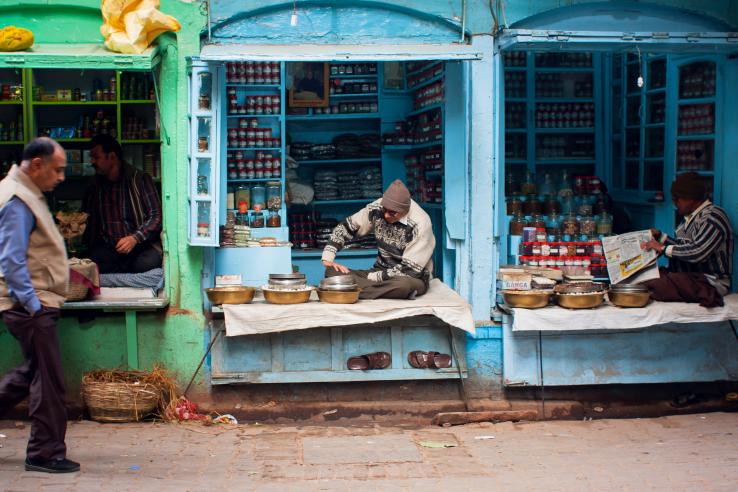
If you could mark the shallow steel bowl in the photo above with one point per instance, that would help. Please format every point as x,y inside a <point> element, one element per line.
<point>279,282</point>
<point>230,295</point>
<point>338,280</point>
<point>580,301</point>
<point>629,299</point>
<point>287,276</point>
<point>526,299</point>
<point>338,296</point>
<point>287,296</point>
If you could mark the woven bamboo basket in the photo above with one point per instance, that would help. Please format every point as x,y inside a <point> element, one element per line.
<point>77,292</point>
<point>119,402</point>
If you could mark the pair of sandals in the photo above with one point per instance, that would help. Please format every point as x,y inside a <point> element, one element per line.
<point>418,359</point>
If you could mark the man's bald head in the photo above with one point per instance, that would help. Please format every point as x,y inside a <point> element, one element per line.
<point>44,161</point>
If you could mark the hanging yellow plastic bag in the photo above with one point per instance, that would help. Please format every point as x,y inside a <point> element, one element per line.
<point>15,39</point>
<point>130,26</point>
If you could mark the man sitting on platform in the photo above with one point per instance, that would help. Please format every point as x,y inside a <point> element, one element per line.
<point>701,251</point>
<point>405,240</point>
<point>125,213</point>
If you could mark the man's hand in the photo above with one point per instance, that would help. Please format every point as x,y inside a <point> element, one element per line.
<point>653,245</point>
<point>336,266</point>
<point>656,234</point>
<point>126,245</point>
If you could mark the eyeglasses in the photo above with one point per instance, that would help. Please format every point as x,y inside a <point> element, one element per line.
<point>389,212</point>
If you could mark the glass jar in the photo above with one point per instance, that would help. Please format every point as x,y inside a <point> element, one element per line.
<point>517,224</point>
<point>570,225</point>
<point>553,225</point>
<point>258,198</point>
<point>511,185</point>
<point>604,225</point>
<point>567,205</point>
<point>274,220</point>
<point>547,187</point>
<point>257,220</point>
<point>532,205</point>
<point>243,197</point>
<point>587,226</point>
<point>551,205</point>
<point>537,221</point>
<point>514,204</point>
<point>529,185</point>
<point>273,195</point>
<point>585,205</point>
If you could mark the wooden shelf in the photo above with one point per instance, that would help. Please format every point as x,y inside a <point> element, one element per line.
<point>328,117</point>
<point>425,109</point>
<point>361,160</point>
<point>74,103</point>
<point>428,82</point>
<point>138,101</point>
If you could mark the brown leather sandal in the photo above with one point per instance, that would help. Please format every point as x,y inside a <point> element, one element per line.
<point>428,360</point>
<point>375,360</point>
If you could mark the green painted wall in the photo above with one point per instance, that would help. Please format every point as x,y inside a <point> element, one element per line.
<point>174,337</point>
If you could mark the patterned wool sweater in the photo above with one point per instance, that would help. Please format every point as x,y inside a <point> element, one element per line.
<point>405,247</point>
<point>703,243</point>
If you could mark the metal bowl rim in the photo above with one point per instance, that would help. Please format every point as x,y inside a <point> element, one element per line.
<point>339,279</point>
<point>286,276</point>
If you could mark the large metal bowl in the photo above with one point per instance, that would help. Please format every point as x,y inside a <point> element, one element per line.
<point>526,299</point>
<point>338,280</point>
<point>287,296</point>
<point>287,276</point>
<point>230,295</point>
<point>278,282</point>
<point>629,299</point>
<point>338,297</point>
<point>580,301</point>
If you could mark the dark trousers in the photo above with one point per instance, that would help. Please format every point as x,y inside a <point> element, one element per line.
<point>683,287</point>
<point>39,377</point>
<point>142,258</point>
<point>394,288</point>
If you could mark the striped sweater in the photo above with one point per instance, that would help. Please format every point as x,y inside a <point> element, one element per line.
<point>405,247</point>
<point>703,243</point>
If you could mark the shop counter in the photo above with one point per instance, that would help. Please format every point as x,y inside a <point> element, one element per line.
<point>311,342</point>
<point>660,343</point>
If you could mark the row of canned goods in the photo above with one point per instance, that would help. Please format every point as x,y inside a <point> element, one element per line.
<point>262,166</point>
<point>253,73</point>
<point>252,137</point>
<point>263,104</point>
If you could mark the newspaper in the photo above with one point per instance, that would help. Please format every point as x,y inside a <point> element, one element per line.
<point>625,257</point>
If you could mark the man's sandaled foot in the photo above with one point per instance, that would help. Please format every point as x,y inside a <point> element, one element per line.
<point>51,466</point>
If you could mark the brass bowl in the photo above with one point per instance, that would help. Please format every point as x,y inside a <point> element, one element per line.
<point>526,299</point>
<point>629,299</point>
<point>339,296</point>
<point>580,301</point>
<point>231,295</point>
<point>287,296</point>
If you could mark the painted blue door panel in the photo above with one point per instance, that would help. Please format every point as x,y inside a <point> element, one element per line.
<point>255,355</point>
<point>307,350</point>
<point>668,353</point>
<point>320,354</point>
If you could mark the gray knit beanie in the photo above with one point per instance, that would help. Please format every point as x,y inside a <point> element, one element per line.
<point>397,197</point>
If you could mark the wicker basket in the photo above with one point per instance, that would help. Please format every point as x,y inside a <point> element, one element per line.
<point>119,402</point>
<point>77,292</point>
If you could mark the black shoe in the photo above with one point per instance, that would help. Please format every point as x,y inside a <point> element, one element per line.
<point>51,466</point>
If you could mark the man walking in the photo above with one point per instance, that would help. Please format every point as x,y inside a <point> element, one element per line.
<point>33,284</point>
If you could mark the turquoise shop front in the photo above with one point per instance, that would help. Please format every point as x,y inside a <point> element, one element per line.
<point>395,110</point>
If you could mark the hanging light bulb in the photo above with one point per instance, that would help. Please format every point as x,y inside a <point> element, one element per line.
<point>293,18</point>
<point>640,81</point>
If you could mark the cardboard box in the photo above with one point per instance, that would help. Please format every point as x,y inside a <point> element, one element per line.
<point>516,281</point>
<point>64,95</point>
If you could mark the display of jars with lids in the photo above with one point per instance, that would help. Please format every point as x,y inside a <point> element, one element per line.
<point>532,205</point>
<point>604,224</point>
<point>274,220</point>
<point>242,198</point>
<point>514,204</point>
<point>587,226</point>
<point>257,218</point>
<point>570,225</point>
<point>517,224</point>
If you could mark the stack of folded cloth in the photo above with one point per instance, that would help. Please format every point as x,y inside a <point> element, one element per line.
<point>268,242</point>
<point>227,232</point>
<point>349,145</point>
<point>301,151</point>
<point>323,151</point>
<point>241,235</point>
<point>325,184</point>
<point>370,182</point>
<point>348,184</point>
<point>323,230</point>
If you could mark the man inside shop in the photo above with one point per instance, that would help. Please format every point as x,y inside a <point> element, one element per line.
<point>701,251</point>
<point>405,240</point>
<point>124,226</point>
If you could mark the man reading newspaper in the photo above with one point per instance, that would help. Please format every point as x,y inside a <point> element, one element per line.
<point>701,251</point>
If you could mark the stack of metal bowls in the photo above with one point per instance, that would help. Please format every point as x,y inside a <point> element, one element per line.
<point>339,282</point>
<point>287,281</point>
<point>341,289</point>
<point>585,295</point>
<point>629,295</point>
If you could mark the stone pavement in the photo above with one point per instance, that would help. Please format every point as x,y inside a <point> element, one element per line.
<point>687,452</point>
